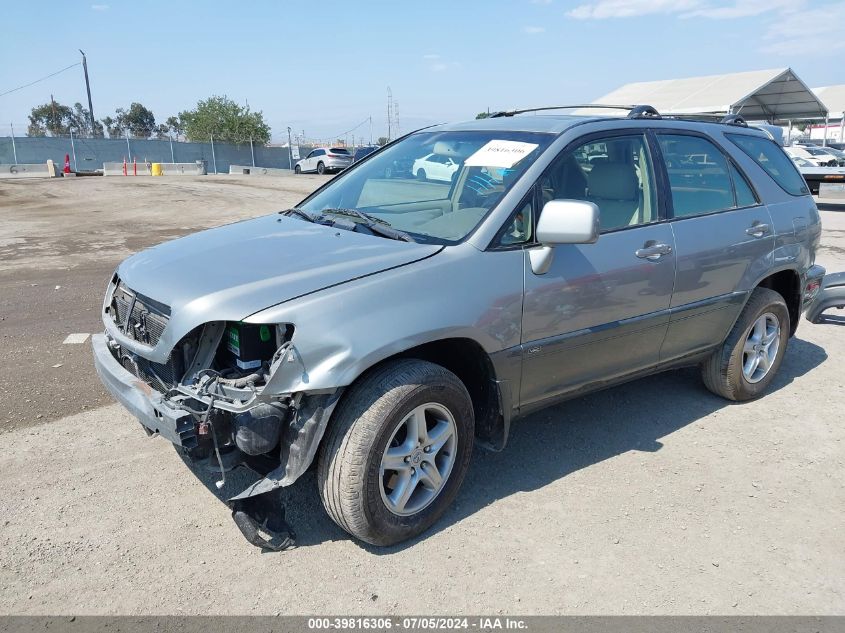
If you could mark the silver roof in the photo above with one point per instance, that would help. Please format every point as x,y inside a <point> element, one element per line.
<point>548,123</point>
<point>559,123</point>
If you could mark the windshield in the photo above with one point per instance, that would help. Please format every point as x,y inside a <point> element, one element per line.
<point>434,186</point>
<point>815,152</point>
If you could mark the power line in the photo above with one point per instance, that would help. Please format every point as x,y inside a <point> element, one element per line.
<point>32,83</point>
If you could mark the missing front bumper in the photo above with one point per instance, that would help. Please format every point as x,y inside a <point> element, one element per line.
<point>258,510</point>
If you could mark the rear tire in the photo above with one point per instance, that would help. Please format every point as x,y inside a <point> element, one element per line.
<point>748,360</point>
<point>362,472</point>
<point>321,168</point>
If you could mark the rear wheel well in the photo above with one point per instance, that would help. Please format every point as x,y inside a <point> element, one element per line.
<point>787,283</point>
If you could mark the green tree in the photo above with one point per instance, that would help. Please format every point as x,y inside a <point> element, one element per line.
<point>482,115</point>
<point>81,118</point>
<point>115,126</point>
<point>138,120</point>
<point>53,119</point>
<point>175,126</point>
<point>382,140</point>
<point>228,121</point>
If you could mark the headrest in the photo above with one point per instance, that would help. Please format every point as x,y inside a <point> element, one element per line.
<point>613,181</point>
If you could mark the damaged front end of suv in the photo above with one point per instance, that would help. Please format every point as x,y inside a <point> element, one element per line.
<point>220,397</point>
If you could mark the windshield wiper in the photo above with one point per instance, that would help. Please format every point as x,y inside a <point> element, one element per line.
<point>300,213</point>
<point>385,230</point>
<point>375,225</point>
<point>357,214</point>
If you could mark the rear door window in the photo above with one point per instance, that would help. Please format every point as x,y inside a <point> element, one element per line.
<point>774,161</point>
<point>698,175</point>
<point>744,193</point>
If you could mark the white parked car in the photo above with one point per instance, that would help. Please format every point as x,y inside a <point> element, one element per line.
<point>816,156</point>
<point>435,167</point>
<point>323,159</point>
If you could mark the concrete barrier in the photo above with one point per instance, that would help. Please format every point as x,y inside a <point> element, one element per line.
<point>116,169</point>
<point>249,170</point>
<point>197,168</point>
<point>31,170</point>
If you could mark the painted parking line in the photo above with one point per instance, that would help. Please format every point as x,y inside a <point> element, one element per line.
<point>76,339</point>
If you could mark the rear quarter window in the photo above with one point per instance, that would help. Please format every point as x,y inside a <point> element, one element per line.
<point>774,161</point>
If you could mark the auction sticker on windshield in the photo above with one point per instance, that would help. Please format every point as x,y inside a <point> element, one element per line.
<point>500,154</point>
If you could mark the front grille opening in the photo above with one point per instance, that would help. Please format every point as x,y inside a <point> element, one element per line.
<point>148,317</point>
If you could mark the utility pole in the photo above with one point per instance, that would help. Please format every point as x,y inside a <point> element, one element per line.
<point>290,151</point>
<point>14,148</point>
<point>389,111</point>
<point>53,107</point>
<point>88,88</point>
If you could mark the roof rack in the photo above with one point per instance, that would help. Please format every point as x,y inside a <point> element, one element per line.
<point>638,112</point>
<point>726,119</point>
<point>644,112</point>
<point>505,113</point>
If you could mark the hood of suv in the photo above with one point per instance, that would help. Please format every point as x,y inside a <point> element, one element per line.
<point>232,271</point>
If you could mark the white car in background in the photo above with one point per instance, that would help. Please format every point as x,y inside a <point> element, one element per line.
<point>435,167</point>
<point>324,159</point>
<point>816,156</point>
<point>815,175</point>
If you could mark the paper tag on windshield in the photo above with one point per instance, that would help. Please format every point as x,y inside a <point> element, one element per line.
<point>500,154</point>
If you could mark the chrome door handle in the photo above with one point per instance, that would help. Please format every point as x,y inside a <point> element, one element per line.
<point>653,252</point>
<point>758,230</point>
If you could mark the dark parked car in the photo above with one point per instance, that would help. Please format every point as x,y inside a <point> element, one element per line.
<point>363,152</point>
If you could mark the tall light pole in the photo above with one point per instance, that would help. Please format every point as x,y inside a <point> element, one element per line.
<point>290,150</point>
<point>88,88</point>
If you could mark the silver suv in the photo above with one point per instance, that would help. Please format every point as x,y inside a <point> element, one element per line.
<point>383,326</point>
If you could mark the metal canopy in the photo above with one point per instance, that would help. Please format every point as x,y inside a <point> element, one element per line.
<point>834,98</point>
<point>772,95</point>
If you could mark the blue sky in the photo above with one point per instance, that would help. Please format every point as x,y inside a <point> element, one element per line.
<point>325,66</point>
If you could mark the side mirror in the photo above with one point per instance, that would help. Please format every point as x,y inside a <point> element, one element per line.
<point>563,222</point>
<point>568,222</point>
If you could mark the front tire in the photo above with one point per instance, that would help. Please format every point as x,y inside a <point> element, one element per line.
<point>748,360</point>
<point>397,451</point>
<point>297,170</point>
<point>421,175</point>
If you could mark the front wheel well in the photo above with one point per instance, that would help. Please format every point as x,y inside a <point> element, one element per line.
<point>472,365</point>
<point>787,283</point>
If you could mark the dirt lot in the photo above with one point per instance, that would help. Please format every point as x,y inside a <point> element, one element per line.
<point>654,497</point>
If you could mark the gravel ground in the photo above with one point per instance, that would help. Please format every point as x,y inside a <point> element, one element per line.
<point>652,498</point>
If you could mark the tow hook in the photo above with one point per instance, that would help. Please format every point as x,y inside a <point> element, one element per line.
<point>261,519</point>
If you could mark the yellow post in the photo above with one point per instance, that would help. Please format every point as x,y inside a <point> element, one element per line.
<point>156,169</point>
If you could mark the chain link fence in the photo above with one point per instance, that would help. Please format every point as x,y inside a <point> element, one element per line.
<point>89,154</point>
